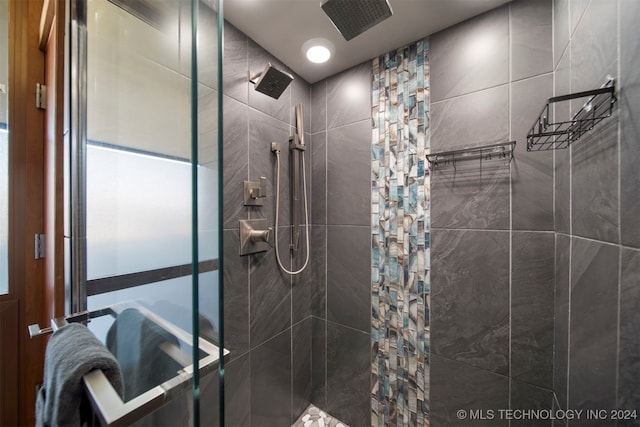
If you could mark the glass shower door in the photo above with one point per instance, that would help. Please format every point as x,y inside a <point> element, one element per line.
<point>144,209</point>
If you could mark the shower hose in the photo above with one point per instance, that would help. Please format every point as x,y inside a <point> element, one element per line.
<point>306,216</point>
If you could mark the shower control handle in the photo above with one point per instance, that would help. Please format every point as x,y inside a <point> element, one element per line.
<point>261,190</point>
<point>261,235</point>
<point>254,192</point>
<point>255,236</point>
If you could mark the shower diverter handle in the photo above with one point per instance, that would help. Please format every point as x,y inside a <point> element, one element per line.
<point>260,190</point>
<point>261,235</point>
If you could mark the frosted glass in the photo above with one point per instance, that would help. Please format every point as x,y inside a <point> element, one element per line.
<point>170,299</point>
<point>139,212</point>
<point>4,212</point>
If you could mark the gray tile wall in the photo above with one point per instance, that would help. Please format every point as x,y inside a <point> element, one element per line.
<point>268,323</point>
<point>340,299</point>
<point>596,357</point>
<point>493,244</point>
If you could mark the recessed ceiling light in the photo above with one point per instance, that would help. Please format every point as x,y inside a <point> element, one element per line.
<point>318,54</point>
<point>318,50</point>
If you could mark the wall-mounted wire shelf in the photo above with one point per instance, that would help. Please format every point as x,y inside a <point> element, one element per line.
<point>548,134</point>
<point>502,151</point>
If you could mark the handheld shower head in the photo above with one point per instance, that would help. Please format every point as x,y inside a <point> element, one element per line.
<point>272,82</point>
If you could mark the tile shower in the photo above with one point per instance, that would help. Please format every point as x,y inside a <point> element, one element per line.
<point>528,298</point>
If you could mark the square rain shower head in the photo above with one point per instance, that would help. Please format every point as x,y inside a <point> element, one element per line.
<point>272,82</point>
<point>354,17</point>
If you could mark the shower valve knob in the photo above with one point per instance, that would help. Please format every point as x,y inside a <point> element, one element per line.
<point>254,192</point>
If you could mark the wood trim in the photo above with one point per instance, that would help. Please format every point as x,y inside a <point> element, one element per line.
<point>46,22</point>
<point>54,163</point>
<point>26,194</point>
<point>9,356</point>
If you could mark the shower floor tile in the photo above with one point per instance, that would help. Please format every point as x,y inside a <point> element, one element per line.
<point>314,417</point>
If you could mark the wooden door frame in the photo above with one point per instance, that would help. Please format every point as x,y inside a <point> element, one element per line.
<point>26,198</point>
<point>51,34</point>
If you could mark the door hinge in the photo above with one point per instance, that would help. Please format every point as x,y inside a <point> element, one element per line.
<point>41,96</point>
<point>39,246</point>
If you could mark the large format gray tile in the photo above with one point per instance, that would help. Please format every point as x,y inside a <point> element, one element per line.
<point>349,276</point>
<point>562,194</point>
<point>207,127</point>
<point>457,386</point>
<point>235,72</point>
<point>236,296</point>
<point>264,129</point>
<point>309,287</point>
<point>593,326</point>
<point>528,397</point>
<point>277,108</point>
<point>235,160</point>
<point>301,94</point>
<point>531,38</point>
<point>318,106</point>
<point>301,372</point>
<point>270,293</point>
<point>349,96</point>
<point>629,105</point>
<point>472,198</point>
<point>532,172</point>
<point>237,395</point>
<point>472,120</point>
<point>319,178</point>
<point>560,29</point>
<point>271,382</point>
<point>348,375</point>
<point>349,177</point>
<point>208,66</point>
<point>594,47</point>
<point>629,354</point>
<point>470,56</point>
<point>319,362</point>
<point>303,284</point>
<point>532,283</point>
<point>576,12</point>
<point>561,318</point>
<point>594,182</point>
<point>470,297</point>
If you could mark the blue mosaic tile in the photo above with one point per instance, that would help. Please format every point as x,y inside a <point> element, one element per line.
<point>400,237</point>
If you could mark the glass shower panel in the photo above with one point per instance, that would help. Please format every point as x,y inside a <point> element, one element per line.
<point>152,173</point>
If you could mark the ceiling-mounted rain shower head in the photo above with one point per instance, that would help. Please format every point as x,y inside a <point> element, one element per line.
<point>272,81</point>
<point>353,17</point>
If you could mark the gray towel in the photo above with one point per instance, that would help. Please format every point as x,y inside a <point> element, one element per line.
<point>72,352</point>
<point>135,341</point>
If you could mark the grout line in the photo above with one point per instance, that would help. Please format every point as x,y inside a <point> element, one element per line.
<point>348,327</point>
<point>576,236</point>
<point>620,253</point>
<point>291,281</point>
<point>326,245</point>
<point>510,104</point>
<point>469,93</point>
<point>571,237</point>
<point>526,79</point>
<point>469,229</point>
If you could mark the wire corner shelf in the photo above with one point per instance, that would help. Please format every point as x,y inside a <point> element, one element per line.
<point>548,133</point>
<point>500,151</point>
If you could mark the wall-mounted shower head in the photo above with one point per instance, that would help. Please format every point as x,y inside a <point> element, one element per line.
<point>272,81</point>
<point>353,17</point>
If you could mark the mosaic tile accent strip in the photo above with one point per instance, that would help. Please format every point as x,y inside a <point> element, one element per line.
<point>400,237</point>
<point>315,417</point>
